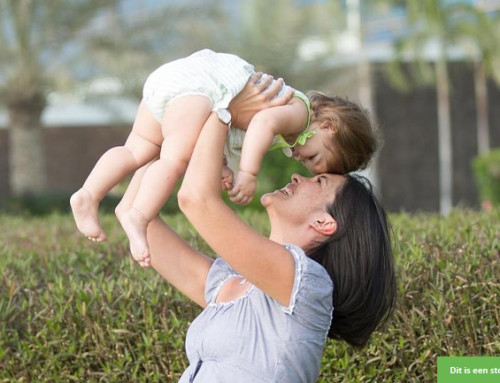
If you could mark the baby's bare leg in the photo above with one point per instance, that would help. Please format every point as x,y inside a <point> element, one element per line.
<point>128,198</point>
<point>143,144</point>
<point>181,127</point>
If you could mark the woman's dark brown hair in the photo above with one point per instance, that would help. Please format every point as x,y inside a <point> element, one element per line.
<point>358,257</point>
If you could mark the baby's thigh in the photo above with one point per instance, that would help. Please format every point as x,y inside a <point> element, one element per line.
<point>182,124</point>
<point>147,127</point>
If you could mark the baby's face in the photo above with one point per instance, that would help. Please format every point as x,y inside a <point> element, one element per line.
<point>314,154</point>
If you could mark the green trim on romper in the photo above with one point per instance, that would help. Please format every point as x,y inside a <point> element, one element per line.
<point>280,142</point>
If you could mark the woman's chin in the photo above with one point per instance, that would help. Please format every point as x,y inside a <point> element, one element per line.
<point>266,199</point>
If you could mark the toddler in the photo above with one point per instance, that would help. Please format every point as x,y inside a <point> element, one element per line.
<point>327,134</point>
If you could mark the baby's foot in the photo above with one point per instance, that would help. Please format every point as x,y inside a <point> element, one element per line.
<point>85,212</point>
<point>135,225</point>
<point>146,262</point>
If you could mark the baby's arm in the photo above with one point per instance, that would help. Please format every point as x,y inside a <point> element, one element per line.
<point>285,120</point>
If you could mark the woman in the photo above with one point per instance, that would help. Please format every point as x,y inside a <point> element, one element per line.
<point>270,303</point>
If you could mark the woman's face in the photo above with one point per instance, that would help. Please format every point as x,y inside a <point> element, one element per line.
<point>304,196</point>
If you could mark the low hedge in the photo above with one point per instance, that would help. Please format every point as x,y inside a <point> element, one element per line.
<point>75,311</point>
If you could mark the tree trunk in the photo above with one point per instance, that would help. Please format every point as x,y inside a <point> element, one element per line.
<point>483,139</point>
<point>444,136</point>
<point>365,94</point>
<point>26,151</point>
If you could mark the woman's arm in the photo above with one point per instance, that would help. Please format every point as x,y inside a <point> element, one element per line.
<point>185,268</point>
<point>176,261</point>
<point>263,262</point>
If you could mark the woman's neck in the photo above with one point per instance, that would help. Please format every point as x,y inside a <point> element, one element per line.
<point>276,234</point>
<point>294,235</point>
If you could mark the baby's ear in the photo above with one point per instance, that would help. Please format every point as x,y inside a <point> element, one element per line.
<point>329,126</point>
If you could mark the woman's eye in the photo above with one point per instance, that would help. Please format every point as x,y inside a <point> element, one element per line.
<point>321,179</point>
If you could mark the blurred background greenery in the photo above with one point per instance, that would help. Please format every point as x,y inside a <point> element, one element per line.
<point>93,51</point>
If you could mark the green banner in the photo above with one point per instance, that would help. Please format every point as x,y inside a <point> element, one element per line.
<point>473,369</point>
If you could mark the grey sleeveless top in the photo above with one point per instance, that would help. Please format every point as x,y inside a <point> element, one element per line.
<point>256,339</point>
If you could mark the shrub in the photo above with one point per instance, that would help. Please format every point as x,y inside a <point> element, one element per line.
<point>76,311</point>
<point>487,174</point>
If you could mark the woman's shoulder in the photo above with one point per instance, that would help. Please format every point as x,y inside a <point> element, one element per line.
<point>218,273</point>
<point>311,303</point>
<point>309,266</point>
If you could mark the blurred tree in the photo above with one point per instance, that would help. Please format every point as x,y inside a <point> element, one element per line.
<point>33,37</point>
<point>46,45</point>
<point>132,43</point>
<point>481,40</point>
<point>436,25</point>
<point>270,34</point>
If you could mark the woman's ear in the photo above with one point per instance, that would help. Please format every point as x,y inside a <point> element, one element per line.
<point>324,224</point>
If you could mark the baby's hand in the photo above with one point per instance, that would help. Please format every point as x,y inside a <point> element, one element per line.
<point>242,193</point>
<point>227,178</point>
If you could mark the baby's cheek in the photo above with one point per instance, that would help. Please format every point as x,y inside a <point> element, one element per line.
<point>319,169</point>
<point>312,169</point>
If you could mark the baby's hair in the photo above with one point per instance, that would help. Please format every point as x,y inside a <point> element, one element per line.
<point>355,139</point>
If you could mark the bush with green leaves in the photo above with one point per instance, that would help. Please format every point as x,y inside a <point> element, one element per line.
<point>487,174</point>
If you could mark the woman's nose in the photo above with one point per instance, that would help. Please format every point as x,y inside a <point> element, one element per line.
<point>297,178</point>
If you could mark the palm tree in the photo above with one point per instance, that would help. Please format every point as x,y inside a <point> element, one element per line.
<point>33,34</point>
<point>481,40</point>
<point>439,24</point>
<point>49,44</point>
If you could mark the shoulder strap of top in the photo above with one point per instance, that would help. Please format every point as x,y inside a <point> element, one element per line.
<point>280,142</point>
<point>307,103</point>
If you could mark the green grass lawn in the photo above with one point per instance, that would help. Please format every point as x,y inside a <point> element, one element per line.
<point>75,311</point>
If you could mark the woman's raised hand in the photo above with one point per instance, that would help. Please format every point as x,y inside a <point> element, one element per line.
<point>256,96</point>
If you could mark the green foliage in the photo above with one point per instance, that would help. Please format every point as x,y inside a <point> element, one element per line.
<point>269,33</point>
<point>446,24</point>
<point>487,174</point>
<point>447,306</point>
<point>71,311</point>
<point>74,311</point>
